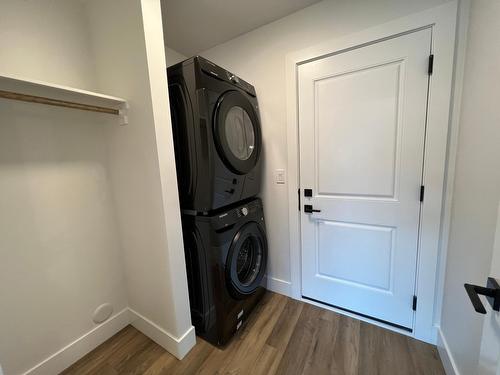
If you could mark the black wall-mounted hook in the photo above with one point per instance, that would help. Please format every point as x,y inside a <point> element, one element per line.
<point>492,293</point>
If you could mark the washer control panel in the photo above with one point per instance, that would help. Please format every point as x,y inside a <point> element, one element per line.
<point>229,218</point>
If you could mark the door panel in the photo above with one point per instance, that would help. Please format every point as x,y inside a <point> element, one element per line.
<point>362,120</point>
<point>357,156</point>
<point>340,247</point>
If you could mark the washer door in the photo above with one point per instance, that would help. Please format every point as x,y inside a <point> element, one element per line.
<point>237,132</point>
<point>246,260</point>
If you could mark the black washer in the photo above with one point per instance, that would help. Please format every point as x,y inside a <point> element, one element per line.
<point>226,258</point>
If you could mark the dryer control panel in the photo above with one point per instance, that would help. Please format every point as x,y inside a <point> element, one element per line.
<point>224,75</point>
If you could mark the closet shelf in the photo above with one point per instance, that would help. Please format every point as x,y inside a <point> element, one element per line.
<point>34,91</point>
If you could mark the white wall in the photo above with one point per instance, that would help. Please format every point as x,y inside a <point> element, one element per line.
<point>259,57</point>
<point>89,211</point>
<point>46,40</point>
<point>142,163</point>
<point>477,186</point>
<point>59,247</point>
<point>173,57</point>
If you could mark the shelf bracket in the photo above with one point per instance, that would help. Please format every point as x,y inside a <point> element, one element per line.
<point>123,113</point>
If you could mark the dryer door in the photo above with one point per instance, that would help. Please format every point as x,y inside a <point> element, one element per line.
<point>237,132</point>
<point>246,260</point>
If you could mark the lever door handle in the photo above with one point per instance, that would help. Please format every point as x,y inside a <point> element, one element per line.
<point>491,291</point>
<point>308,209</point>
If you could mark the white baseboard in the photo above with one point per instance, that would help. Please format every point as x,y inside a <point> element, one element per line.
<point>279,286</point>
<point>72,352</point>
<point>449,364</point>
<point>178,346</point>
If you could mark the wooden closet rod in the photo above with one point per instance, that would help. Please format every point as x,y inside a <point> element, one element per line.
<point>56,102</point>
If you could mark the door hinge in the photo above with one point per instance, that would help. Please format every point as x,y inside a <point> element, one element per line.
<point>414,305</point>
<point>422,193</point>
<point>298,192</point>
<point>431,64</point>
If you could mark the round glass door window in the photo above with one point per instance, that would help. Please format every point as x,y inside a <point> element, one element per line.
<point>239,133</point>
<point>249,260</point>
<point>246,261</point>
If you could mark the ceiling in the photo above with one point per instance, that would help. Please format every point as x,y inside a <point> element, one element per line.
<point>192,26</point>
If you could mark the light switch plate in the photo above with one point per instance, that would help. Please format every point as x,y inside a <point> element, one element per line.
<point>280,176</point>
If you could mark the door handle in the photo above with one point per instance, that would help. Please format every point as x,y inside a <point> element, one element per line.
<point>491,291</point>
<point>308,209</point>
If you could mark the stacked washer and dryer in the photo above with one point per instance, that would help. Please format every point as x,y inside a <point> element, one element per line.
<point>218,145</point>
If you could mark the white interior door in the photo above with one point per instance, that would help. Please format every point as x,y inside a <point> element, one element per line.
<point>362,117</point>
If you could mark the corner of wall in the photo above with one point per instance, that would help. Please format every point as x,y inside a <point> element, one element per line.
<point>462,26</point>
<point>75,350</point>
<point>445,354</point>
<point>177,346</point>
<point>279,286</point>
<point>153,34</point>
<point>144,177</point>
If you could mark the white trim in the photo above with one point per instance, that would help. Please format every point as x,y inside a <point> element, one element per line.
<point>62,359</point>
<point>72,352</point>
<point>450,367</point>
<point>442,20</point>
<point>458,76</point>
<point>279,286</point>
<point>177,346</point>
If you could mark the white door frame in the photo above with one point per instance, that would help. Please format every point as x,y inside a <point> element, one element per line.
<point>442,20</point>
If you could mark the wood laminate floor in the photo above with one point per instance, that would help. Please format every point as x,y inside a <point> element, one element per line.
<point>283,336</point>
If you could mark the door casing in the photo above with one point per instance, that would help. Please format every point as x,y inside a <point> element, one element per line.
<point>442,21</point>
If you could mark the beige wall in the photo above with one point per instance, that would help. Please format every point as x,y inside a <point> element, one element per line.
<point>142,160</point>
<point>46,40</point>
<point>477,185</point>
<point>259,57</point>
<point>89,211</point>
<point>173,57</point>
<point>60,252</point>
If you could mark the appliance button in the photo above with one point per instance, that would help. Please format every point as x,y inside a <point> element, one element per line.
<point>233,78</point>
